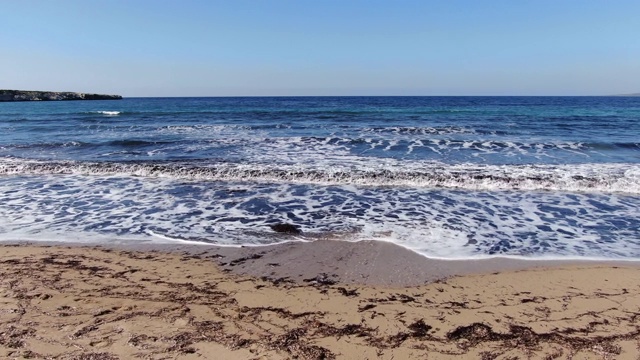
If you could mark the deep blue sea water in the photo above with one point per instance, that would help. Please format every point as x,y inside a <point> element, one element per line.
<point>449,177</point>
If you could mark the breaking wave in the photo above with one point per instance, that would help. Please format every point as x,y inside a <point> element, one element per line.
<point>109,113</point>
<point>219,136</point>
<point>604,178</point>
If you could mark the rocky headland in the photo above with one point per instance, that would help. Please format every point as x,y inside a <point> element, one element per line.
<point>20,95</point>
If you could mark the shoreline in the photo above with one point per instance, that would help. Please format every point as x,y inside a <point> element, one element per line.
<point>116,302</point>
<point>366,262</point>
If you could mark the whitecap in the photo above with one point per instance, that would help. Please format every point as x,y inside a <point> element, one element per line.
<point>593,178</point>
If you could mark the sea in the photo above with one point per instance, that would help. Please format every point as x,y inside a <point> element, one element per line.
<point>447,177</point>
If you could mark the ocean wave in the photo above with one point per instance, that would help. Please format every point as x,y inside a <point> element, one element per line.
<point>108,113</point>
<point>412,130</point>
<point>440,223</point>
<point>200,128</point>
<point>136,143</point>
<point>117,143</point>
<point>613,146</point>
<point>320,113</point>
<point>46,145</point>
<point>260,147</point>
<point>605,178</point>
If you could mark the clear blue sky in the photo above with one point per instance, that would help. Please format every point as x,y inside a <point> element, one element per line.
<point>321,47</point>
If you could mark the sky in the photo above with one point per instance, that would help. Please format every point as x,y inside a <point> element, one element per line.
<point>321,47</point>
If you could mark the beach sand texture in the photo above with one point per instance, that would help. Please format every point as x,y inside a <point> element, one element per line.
<point>98,303</point>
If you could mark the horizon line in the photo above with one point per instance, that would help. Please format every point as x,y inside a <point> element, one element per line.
<point>228,96</point>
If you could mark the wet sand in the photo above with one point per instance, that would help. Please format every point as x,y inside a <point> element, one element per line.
<point>323,300</point>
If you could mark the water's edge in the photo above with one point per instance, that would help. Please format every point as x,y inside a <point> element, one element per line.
<point>372,263</point>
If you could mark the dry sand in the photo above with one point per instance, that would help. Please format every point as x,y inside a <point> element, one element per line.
<point>104,303</point>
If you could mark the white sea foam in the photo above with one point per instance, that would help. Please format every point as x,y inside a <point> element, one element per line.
<point>604,178</point>
<point>448,224</point>
<point>109,113</point>
<point>202,129</point>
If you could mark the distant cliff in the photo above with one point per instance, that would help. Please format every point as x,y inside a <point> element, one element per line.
<point>19,95</point>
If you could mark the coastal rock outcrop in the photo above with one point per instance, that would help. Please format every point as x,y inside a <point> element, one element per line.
<point>20,95</point>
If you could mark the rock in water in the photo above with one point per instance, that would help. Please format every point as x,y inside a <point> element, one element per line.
<point>286,229</point>
<point>20,95</point>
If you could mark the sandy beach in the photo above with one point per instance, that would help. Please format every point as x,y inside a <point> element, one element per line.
<point>80,302</point>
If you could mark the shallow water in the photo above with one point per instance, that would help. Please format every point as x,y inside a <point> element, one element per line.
<point>461,177</point>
